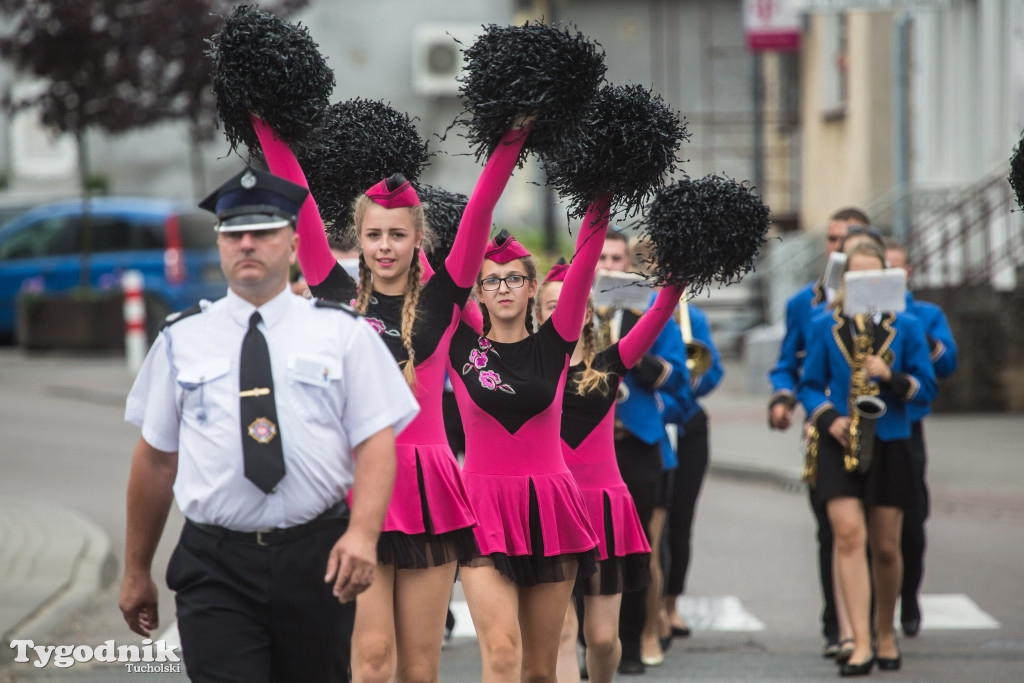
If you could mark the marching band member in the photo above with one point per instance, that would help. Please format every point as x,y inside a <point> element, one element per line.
<point>784,379</point>
<point>944,360</point>
<point>846,358</point>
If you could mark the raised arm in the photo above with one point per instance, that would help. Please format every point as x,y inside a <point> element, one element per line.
<point>467,255</point>
<point>639,340</point>
<point>572,303</point>
<point>315,257</point>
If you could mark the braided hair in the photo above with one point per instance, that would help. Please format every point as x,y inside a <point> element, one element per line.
<point>413,285</point>
<point>590,378</point>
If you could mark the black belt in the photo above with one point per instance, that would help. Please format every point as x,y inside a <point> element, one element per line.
<point>330,517</point>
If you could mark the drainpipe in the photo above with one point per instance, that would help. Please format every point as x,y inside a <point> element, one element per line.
<point>901,126</point>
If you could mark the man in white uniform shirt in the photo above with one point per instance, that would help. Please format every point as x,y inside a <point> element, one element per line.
<point>258,414</point>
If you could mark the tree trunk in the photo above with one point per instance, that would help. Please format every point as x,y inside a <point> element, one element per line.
<point>195,157</point>
<point>86,234</point>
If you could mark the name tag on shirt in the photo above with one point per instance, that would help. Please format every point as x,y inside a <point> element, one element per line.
<point>315,370</point>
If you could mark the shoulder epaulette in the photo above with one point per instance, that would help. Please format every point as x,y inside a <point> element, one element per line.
<point>325,303</point>
<point>181,315</point>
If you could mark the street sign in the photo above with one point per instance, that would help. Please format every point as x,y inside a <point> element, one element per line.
<point>771,25</point>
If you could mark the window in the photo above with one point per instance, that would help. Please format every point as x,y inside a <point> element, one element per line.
<point>47,237</point>
<point>197,230</point>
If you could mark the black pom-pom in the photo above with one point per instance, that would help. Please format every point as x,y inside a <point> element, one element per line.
<point>443,211</point>
<point>264,65</point>
<point>1016,176</point>
<point>704,231</point>
<point>530,69</point>
<point>627,145</point>
<point>360,143</point>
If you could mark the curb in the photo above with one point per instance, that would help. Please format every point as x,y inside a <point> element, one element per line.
<point>52,559</point>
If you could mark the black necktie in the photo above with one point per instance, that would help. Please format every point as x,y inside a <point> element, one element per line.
<point>261,437</point>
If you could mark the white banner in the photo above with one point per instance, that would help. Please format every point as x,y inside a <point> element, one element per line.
<point>843,5</point>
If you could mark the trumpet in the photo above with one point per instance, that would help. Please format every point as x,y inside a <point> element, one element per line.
<point>698,356</point>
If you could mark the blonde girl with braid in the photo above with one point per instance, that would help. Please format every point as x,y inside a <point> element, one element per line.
<point>428,526</point>
<point>588,422</point>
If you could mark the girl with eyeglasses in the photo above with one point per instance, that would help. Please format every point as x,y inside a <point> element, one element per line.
<point>400,619</point>
<point>534,532</point>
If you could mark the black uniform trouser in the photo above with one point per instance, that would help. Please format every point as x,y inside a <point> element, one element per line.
<point>829,620</point>
<point>913,538</point>
<point>252,613</point>
<point>692,451</point>
<point>641,467</point>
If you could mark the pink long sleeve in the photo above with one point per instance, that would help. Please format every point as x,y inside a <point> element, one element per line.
<point>572,303</point>
<point>638,340</point>
<point>467,255</point>
<point>315,257</point>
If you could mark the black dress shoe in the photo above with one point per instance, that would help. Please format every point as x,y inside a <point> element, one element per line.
<point>862,669</point>
<point>631,666</point>
<point>846,648</point>
<point>678,632</point>
<point>665,643</point>
<point>911,627</point>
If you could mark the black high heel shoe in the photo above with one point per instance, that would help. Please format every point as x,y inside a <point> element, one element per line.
<point>894,664</point>
<point>862,669</point>
<point>846,648</point>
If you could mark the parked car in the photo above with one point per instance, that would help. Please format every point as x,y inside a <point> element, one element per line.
<point>173,244</point>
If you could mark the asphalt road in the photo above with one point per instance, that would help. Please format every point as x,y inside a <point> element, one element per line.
<point>753,597</point>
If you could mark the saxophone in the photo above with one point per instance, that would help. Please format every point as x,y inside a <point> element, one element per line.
<point>864,405</point>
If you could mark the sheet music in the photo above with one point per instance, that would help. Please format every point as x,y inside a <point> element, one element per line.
<point>875,291</point>
<point>621,290</point>
<point>834,270</point>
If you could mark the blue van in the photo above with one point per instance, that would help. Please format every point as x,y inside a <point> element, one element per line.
<point>172,243</point>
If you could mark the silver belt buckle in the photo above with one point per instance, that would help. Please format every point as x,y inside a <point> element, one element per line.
<point>259,537</point>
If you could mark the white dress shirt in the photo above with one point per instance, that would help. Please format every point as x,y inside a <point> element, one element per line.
<point>336,384</point>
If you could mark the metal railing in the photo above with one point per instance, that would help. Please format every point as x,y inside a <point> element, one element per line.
<point>975,239</point>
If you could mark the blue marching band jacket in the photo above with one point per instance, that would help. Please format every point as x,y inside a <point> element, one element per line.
<point>941,346</point>
<point>675,400</point>
<point>800,309</point>
<point>825,385</point>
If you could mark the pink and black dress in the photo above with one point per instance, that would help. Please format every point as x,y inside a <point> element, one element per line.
<point>588,444</point>
<point>532,518</point>
<point>429,521</point>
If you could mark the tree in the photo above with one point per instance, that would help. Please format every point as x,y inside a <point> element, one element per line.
<point>118,65</point>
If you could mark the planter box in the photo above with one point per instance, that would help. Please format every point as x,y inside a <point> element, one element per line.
<point>70,321</point>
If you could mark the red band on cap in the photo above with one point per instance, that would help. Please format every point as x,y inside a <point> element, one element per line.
<point>402,196</point>
<point>505,248</point>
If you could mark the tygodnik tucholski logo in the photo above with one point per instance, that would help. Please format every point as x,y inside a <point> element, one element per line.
<point>150,657</point>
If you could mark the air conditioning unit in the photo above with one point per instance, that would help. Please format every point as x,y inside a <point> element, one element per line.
<point>437,57</point>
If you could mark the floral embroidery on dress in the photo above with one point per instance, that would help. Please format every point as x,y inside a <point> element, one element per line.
<point>489,379</point>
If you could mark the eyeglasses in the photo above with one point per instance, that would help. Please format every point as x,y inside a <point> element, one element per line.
<point>491,284</point>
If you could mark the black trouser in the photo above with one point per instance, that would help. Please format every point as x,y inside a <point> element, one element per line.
<point>913,538</point>
<point>252,613</point>
<point>641,467</point>
<point>829,620</point>
<point>692,452</point>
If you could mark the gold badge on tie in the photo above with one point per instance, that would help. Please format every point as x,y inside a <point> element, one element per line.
<point>262,430</point>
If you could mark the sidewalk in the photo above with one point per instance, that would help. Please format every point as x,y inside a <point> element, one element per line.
<point>53,558</point>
